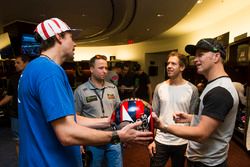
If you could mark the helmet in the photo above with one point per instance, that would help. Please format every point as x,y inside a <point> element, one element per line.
<point>132,110</point>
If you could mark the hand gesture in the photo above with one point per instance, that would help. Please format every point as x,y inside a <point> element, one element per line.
<point>152,149</point>
<point>82,149</point>
<point>157,122</point>
<point>181,117</point>
<point>130,134</point>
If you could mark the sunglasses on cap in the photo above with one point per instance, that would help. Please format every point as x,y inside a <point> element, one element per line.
<point>100,57</point>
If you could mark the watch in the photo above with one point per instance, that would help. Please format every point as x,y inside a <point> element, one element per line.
<point>115,139</point>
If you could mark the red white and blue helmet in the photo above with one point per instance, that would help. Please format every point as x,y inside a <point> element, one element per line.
<point>132,110</point>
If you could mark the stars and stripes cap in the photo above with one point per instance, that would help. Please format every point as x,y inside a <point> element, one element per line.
<point>53,26</point>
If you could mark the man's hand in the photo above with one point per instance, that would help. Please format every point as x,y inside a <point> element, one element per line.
<point>130,134</point>
<point>181,117</point>
<point>157,122</point>
<point>82,149</point>
<point>152,149</point>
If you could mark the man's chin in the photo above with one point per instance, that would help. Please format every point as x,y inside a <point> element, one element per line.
<point>102,78</point>
<point>170,75</point>
<point>70,58</point>
<point>199,71</point>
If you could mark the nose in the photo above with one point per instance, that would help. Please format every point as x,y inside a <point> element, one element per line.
<point>74,43</point>
<point>195,59</point>
<point>105,70</point>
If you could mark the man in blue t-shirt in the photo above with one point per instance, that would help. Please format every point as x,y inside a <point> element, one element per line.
<point>50,130</point>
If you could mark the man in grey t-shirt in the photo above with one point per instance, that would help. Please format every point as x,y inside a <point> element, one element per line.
<point>170,96</point>
<point>212,126</point>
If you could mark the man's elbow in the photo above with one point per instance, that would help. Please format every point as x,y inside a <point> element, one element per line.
<point>65,140</point>
<point>201,138</point>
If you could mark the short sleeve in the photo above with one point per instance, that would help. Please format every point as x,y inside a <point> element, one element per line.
<point>78,100</point>
<point>217,103</point>
<point>56,101</point>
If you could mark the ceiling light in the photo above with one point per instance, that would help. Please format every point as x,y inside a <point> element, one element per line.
<point>148,29</point>
<point>199,1</point>
<point>159,15</point>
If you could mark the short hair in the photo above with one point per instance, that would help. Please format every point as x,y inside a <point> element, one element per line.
<point>48,43</point>
<point>182,58</point>
<point>96,57</point>
<point>25,58</point>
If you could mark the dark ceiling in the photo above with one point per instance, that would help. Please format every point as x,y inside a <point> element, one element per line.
<point>103,22</point>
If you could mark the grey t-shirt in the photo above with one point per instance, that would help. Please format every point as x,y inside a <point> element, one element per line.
<point>169,99</point>
<point>219,100</point>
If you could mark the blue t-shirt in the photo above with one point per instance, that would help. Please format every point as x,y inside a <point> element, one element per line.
<point>44,95</point>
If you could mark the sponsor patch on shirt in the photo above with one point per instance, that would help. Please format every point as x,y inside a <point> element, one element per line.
<point>91,98</point>
<point>84,89</point>
<point>111,96</point>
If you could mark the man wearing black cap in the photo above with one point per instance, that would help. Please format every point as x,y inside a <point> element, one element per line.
<point>50,130</point>
<point>212,125</point>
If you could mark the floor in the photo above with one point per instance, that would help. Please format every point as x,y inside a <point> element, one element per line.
<point>135,155</point>
<point>8,156</point>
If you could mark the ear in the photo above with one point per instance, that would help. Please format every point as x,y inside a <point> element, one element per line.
<point>217,57</point>
<point>59,38</point>
<point>182,68</point>
<point>91,69</point>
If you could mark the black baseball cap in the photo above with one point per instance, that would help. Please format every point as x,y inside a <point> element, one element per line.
<point>208,44</point>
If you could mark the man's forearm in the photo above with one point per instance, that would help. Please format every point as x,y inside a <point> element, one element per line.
<point>6,100</point>
<point>93,122</point>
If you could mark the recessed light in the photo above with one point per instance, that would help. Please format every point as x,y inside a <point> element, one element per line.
<point>147,29</point>
<point>159,15</point>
